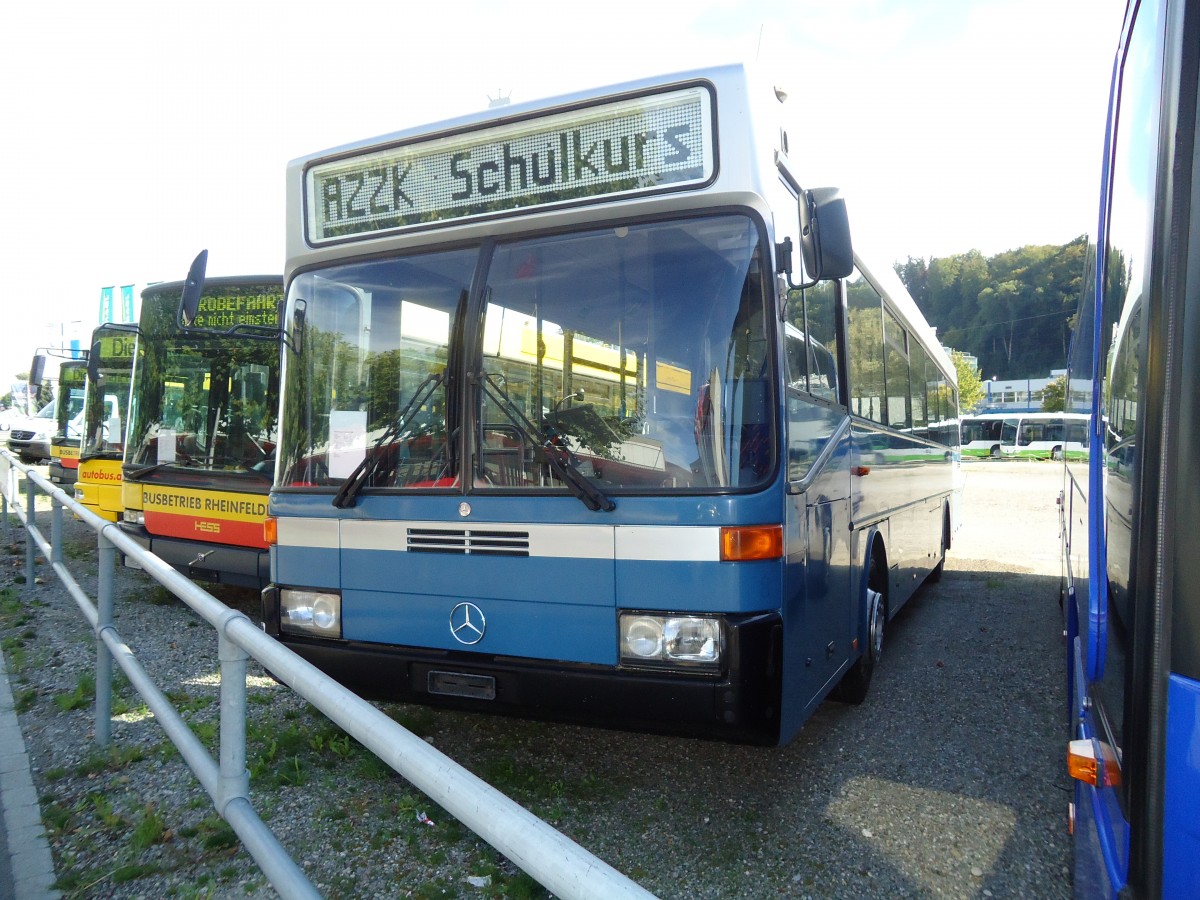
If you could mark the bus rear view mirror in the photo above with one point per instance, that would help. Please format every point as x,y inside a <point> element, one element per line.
<point>825,235</point>
<point>93,366</point>
<point>295,337</point>
<point>36,370</point>
<point>189,303</point>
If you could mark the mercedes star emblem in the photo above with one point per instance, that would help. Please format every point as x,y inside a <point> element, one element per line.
<point>467,623</point>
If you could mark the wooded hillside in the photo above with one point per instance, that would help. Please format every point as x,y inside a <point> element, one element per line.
<point>1013,310</point>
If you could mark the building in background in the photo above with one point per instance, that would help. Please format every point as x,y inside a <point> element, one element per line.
<point>1023,394</point>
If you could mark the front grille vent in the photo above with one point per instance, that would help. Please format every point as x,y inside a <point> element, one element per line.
<point>470,541</point>
<point>23,435</point>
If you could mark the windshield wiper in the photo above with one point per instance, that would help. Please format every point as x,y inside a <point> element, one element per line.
<point>187,462</point>
<point>556,455</point>
<point>345,497</point>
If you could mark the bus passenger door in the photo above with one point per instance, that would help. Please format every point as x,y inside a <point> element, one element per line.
<point>818,611</point>
<point>827,587</point>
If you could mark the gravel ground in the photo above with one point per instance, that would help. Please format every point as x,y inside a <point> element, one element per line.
<point>946,782</point>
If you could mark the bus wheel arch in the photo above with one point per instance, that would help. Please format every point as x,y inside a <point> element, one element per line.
<point>995,451</point>
<point>855,683</point>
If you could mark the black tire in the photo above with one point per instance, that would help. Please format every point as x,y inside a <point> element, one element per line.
<point>995,454</point>
<point>936,575</point>
<point>857,681</point>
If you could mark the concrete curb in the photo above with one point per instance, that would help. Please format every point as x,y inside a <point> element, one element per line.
<point>29,851</point>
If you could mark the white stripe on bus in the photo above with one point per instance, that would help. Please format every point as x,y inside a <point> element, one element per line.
<point>625,542</point>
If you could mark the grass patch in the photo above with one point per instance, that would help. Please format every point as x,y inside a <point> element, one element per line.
<point>150,829</point>
<point>112,760</point>
<point>56,817</point>
<point>216,834</point>
<point>156,595</point>
<point>79,549</point>
<point>132,872</point>
<point>103,809</point>
<point>81,697</point>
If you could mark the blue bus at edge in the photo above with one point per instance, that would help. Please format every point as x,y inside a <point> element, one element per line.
<point>592,413</point>
<point>1130,512</point>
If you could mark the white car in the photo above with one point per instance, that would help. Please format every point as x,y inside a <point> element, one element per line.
<point>29,436</point>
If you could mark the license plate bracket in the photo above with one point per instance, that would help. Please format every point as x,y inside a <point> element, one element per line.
<point>461,684</point>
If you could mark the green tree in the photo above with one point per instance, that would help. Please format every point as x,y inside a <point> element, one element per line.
<point>970,385</point>
<point>1012,311</point>
<point>1054,398</point>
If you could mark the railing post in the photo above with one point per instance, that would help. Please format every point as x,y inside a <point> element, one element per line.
<point>8,484</point>
<point>234,779</point>
<point>56,530</point>
<point>30,543</point>
<point>105,579</point>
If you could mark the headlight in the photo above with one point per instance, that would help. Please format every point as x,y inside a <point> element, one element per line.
<point>688,642</point>
<point>317,613</point>
<point>134,517</point>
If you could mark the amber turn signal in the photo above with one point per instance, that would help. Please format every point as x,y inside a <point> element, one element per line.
<point>1093,763</point>
<point>750,542</point>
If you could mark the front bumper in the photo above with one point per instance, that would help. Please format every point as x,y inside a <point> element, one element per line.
<point>740,705</point>
<point>216,563</point>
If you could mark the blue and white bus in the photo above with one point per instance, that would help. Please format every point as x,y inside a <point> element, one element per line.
<point>1131,526</point>
<point>566,433</point>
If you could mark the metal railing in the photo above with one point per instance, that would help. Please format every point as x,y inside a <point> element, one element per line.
<point>548,856</point>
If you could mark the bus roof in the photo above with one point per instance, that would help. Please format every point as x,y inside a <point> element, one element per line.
<point>720,75</point>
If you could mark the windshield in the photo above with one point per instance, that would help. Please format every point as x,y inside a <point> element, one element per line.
<point>71,382</point>
<point>981,430</point>
<point>637,357</point>
<point>204,401</point>
<point>105,414</point>
<point>1008,433</point>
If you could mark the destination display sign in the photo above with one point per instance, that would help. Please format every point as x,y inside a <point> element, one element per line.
<point>115,347</point>
<point>73,375</point>
<point>229,308</point>
<point>655,142</point>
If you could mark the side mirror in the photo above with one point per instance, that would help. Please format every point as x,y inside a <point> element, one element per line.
<point>93,368</point>
<point>37,369</point>
<point>189,303</point>
<point>299,313</point>
<point>825,235</point>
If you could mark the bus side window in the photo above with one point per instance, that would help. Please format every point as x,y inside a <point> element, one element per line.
<point>796,369</point>
<point>865,340</point>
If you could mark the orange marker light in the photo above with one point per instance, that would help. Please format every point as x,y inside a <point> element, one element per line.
<point>1093,763</point>
<point>270,530</point>
<point>751,542</point>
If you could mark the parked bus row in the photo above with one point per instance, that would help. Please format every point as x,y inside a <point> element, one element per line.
<point>169,427</point>
<point>1028,435</point>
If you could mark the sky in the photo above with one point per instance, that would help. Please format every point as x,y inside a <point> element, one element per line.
<point>138,133</point>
